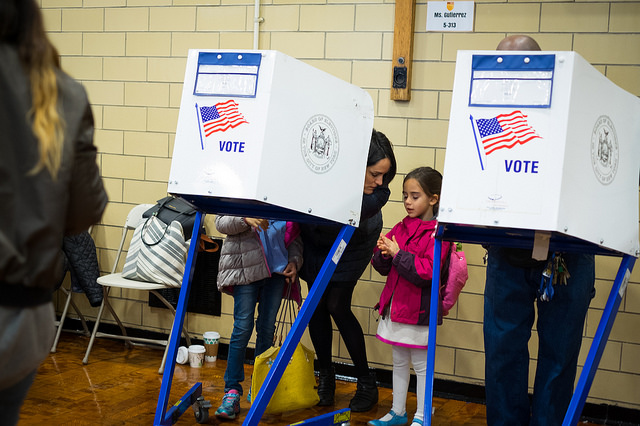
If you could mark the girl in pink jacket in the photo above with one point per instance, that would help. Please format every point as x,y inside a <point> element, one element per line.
<point>405,256</point>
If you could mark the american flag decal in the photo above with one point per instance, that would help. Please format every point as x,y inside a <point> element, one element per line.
<point>504,131</point>
<point>220,117</point>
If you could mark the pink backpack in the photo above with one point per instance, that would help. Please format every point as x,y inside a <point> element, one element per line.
<point>457,278</point>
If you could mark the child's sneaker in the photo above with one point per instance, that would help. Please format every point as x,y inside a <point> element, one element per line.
<point>230,405</point>
<point>390,419</point>
<point>249,396</point>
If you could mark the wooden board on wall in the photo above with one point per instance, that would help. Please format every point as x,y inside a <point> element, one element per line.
<point>402,49</point>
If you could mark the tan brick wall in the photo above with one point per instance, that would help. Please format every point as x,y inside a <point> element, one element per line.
<point>131,55</point>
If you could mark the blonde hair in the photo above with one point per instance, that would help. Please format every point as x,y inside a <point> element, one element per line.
<point>47,124</point>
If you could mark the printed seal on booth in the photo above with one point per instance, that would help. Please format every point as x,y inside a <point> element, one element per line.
<point>605,154</point>
<point>320,144</point>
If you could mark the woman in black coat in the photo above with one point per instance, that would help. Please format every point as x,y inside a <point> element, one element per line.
<point>336,301</point>
<point>50,186</point>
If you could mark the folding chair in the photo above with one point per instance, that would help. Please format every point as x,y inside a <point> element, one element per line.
<point>115,279</point>
<point>69,302</point>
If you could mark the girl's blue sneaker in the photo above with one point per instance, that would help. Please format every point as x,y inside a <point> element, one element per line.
<point>392,420</point>
<point>416,422</point>
<point>230,405</point>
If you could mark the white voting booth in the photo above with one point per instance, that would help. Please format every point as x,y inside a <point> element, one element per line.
<point>543,152</point>
<point>260,129</point>
<point>542,141</point>
<point>262,134</point>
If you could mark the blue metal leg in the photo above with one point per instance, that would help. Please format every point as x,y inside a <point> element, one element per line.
<point>183,404</point>
<point>599,341</point>
<point>259,405</point>
<point>433,326</point>
<point>176,332</point>
<point>340,417</point>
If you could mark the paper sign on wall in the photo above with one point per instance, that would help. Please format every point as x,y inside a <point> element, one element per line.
<point>450,15</point>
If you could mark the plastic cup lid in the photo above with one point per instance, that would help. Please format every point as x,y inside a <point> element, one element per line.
<point>183,355</point>
<point>198,349</point>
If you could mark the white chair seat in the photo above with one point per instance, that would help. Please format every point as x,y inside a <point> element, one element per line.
<point>116,280</point>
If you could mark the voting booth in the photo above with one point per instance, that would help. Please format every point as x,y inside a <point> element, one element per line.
<point>543,152</point>
<point>542,141</point>
<point>262,130</point>
<point>262,134</point>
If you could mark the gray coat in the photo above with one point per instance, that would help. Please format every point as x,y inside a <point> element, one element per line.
<point>37,212</point>
<point>242,259</point>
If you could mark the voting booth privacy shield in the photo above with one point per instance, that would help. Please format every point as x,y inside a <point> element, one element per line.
<point>542,141</point>
<point>264,131</point>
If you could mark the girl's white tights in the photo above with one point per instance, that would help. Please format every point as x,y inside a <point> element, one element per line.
<point>401,358</point>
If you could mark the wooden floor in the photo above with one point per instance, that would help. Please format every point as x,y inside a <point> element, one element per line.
<point>120,386</point>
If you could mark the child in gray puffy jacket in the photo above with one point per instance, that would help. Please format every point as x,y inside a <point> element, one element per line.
<point>258,258</point>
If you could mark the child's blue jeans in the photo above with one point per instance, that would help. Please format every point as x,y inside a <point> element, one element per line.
<point>267,294</point>
<point>510,299</point>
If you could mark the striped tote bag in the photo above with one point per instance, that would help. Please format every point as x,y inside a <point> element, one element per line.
<point>157,253</point>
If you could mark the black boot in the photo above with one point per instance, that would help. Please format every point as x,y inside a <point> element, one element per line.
<point>366,396</point>
<point>326,386</point>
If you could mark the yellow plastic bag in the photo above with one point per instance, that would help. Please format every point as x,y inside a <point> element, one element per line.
<point>297,387</point>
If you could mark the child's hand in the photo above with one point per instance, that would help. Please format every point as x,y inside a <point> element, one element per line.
<point>257,223</point>
<point>290,273</point>
<point>388,247</point>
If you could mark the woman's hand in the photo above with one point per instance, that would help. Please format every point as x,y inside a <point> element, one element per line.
<point>290,273</point>
<point>388,247</point>
<point>257,223</point>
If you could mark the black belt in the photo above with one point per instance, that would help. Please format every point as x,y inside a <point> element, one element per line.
<point>24,297</point>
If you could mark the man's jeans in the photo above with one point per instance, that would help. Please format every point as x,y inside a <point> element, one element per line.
<point>267,294</point>
<point>509,314</point>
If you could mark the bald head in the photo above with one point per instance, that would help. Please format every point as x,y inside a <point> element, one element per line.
<point>518,42</point>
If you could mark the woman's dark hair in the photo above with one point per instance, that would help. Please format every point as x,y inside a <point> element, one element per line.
<point>379,149</point>
<point>21,25</point>
<point>430,180</point>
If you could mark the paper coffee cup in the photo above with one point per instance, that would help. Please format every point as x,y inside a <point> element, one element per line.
<point>183,355</point>
<point>196,355</point>
<point>211,339</point>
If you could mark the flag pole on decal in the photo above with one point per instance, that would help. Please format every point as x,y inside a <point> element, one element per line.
<point>199,126</point>
<point>477,144</point>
